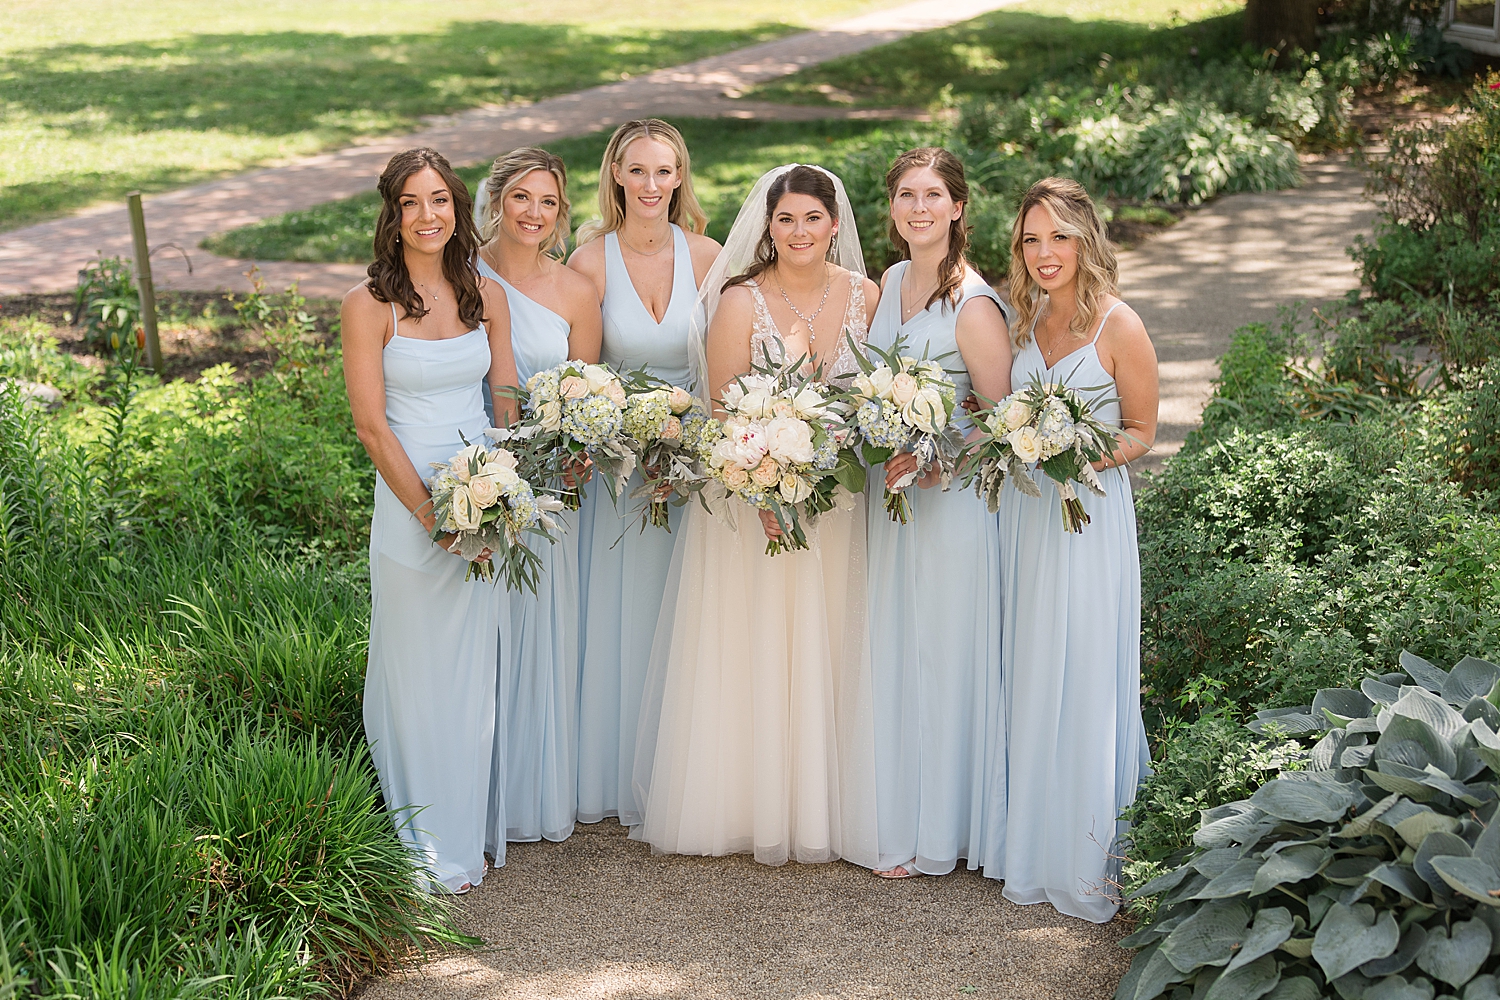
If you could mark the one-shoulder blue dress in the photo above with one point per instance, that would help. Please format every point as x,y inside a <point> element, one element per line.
<point>533,791</point>
<point>625,568</point>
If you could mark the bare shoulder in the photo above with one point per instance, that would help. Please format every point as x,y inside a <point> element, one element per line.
<point>1124,325</point>
<point>360,307</point>
<point>495,301</point>
<point>588,256</point>
<point>704,252</point>
<point>737,298</point>
<point>571,283</point>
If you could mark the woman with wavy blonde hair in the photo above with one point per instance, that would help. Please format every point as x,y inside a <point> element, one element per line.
<point>554,318</point>
<point>645,264</point>
<point>1072,624</point>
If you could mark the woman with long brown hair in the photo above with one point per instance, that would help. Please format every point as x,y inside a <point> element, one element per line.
<point>646,257</point>
<point>935,601</point>
<point>554,318</point>
<point>1072,628</point>
<point>419,338</point>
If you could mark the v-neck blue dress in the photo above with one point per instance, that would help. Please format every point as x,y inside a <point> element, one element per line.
<point>935,611</point>
<point>625,568</point>
<point>533,791</point>
<point>1072,655</point>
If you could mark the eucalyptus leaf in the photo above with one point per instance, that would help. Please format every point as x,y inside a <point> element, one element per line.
<point>1350,936</point>
<point>1294,864</point>
<point>1272,926</point>
<point>1412,940</point>
<point>1429,675</point>
<point>1455,956</point>
<point>1210,936</point>
<point>1248,982</point>
<point>1470,877</point>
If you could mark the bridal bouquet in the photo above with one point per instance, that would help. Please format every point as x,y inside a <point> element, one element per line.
<point>666,429</point>
<point>480,496</point>
<point>784,449</point>
<point>906,405</point>
<point>1049,424</point>
<point>577,410</point>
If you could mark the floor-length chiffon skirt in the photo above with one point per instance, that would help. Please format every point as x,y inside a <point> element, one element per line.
<point>624,576</point>
<point>755,732</point>
<point>1072,661</point>
<point>429,702</point>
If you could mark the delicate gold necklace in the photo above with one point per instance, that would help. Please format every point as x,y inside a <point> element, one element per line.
<point>643,253</point>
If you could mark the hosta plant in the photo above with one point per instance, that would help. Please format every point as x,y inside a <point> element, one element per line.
<point>1373,875</point>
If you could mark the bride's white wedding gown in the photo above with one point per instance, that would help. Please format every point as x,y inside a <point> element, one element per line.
<point>756,733</point>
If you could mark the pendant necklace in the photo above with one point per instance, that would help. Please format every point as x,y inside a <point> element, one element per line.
<point>827,284</point>
<point>643,253</point>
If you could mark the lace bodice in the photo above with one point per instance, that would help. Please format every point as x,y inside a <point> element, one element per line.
<point>767,344</point>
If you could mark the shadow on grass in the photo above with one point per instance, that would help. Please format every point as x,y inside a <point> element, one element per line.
<point>309,89</point>
<point>728,156</point>
<point>1005,53</point>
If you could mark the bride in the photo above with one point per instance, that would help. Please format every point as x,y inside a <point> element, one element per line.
<point>755,734</point>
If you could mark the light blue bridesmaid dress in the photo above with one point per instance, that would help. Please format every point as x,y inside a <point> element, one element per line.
<point>625,577</point>
<point>533,788</point>
<point>934,620</point>
<point>1072,641</point>
<point>429,704</point>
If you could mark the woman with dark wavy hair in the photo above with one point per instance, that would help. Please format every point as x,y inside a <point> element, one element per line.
<point>420,337</point>
<point>935,603</point>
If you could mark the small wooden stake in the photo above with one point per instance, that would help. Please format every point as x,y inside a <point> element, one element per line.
<point>143,280</point>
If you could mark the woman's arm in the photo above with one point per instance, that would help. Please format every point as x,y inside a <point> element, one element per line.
<point>588,260</point>
<point>704,251</point>
<point>728,346</point>
<point>502,371</point>
<point>366,326</point>
<point>586,332</point>
<point>1129,356</point>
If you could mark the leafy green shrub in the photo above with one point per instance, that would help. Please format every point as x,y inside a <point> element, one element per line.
<point>1461,429</point>
<point>1406,263</point>
<point>28,351</point>
<point>108,303</point>
<point>1374,874</point>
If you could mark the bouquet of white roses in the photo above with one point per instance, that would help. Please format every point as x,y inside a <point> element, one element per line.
<point>784,449</point>
<point>906,404</point>
<point>578,410</point>
<point>668,430</point>
<point>480,496</point>
<point>1049,424</point>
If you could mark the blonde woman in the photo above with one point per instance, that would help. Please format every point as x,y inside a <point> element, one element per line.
<point>1072,627</point>
<point>646,257</point>
<point>554,316</point>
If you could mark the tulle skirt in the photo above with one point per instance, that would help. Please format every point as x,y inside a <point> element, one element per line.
<point>756,733</point>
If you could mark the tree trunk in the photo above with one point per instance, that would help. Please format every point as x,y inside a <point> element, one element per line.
<point>1282,24</point>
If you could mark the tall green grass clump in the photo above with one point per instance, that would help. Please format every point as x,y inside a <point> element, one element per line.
<point>187,804</point>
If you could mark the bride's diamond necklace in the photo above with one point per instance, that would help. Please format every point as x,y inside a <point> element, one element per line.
<point>827,284</point>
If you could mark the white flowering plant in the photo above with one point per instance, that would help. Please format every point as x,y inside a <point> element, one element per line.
<point>905,404</point>
<point>481,495</point>
<point>669,431</point>
<point>1048,424</point>
<point>578,411</point>
<point>785,448</point>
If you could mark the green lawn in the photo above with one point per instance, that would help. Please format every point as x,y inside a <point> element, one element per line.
<point>98,99</point>
<point>1010,50</point>
<point>728,155</point>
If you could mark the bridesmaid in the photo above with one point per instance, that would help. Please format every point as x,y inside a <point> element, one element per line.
<point>418,337</point>
<point>554,318</point>
<point>646,270</point>
<point>1072,624</point>
<point>934,585</point>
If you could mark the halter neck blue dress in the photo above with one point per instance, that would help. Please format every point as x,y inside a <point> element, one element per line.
<point>935,611</point>
<point>1072,655</point>
<point>624,568</point>
<point>429,703</point>
<point>533,791</point>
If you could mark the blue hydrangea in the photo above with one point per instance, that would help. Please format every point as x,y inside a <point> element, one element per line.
<point>591,420</point>
<point>880,424</point>
<point>825,453</point>
<point>542,386</point>
<point>644,417</point>
<point>699,430</point>
<point>519,488</point>
<point>524,513</point>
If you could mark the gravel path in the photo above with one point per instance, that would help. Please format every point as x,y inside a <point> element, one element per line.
<point>46,257</point>
<point>599,916</point>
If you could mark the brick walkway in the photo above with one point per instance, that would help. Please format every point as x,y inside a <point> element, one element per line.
<point>46,257</point>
